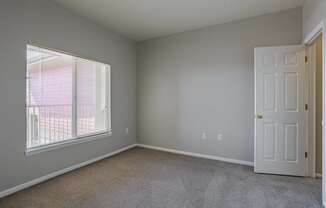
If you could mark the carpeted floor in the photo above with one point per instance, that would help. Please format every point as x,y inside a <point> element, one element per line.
<point>141,178</point>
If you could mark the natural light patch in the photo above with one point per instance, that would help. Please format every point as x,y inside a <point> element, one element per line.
<point>67,97</point>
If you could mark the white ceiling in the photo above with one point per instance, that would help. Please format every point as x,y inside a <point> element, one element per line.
<point>145,19</point>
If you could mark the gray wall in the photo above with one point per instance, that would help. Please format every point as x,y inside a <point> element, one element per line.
<point>45,23</point>
<point>203,81</point>
<point>314,11</point>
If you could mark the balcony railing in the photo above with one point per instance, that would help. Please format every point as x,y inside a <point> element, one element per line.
<point>53,123</point>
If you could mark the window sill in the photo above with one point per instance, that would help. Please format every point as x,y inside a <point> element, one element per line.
<point>58,145</point>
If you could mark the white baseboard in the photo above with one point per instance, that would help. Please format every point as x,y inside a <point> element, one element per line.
<point>318,175</point>
<point>60,172</point>
<point>211,157</point>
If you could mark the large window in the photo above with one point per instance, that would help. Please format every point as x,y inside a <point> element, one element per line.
<point>67,98</point>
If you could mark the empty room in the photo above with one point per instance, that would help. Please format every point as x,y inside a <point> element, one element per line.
<point>162,103</point>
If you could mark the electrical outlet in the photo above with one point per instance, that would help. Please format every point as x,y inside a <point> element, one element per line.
<point>127,130</point>
<point>219,137</point>
<point>203,136</point>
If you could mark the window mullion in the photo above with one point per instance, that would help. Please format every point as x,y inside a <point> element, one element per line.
<point>74,98</point>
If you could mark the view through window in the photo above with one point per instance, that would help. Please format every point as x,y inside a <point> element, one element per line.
<point>66,97</point>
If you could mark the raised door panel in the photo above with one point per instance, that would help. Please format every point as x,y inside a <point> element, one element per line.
<point>270,92</point>
<point>289,60</point>
<point>291,91</point>
<point>291,142</point>
<point>269,140</point>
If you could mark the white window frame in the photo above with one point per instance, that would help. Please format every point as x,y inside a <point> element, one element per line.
<point>75,139</point>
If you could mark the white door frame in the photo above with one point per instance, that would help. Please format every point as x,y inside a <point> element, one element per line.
<point>311,123</point>
<point>321,29</point>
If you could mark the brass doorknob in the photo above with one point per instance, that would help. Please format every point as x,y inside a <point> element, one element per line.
<point>259,116</point>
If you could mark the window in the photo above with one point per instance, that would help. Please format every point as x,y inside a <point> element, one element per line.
<point>67,98</point>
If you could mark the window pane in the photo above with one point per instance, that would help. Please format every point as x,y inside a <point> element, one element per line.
<point>91,97</point>
<point>66,97</point>
<point>49,96</point>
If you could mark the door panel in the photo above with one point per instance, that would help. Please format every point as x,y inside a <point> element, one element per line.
<point>291,91</point>
<point>270,92</point>
<point>291,142</point>
<point>280,124</point>
<point>270,136</point>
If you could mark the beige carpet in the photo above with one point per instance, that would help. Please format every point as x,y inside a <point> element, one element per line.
<point>141,178</point>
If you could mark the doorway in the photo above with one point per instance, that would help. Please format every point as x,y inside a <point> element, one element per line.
<point>320,29</point>
<point>314,66</point>
<point>288,84</point>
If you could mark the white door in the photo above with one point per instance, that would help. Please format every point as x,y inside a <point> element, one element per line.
<point>280,122</point>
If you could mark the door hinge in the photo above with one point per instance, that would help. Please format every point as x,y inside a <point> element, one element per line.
<point>306,107</point>
<point>306,154</point>
<point>306,59</point>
